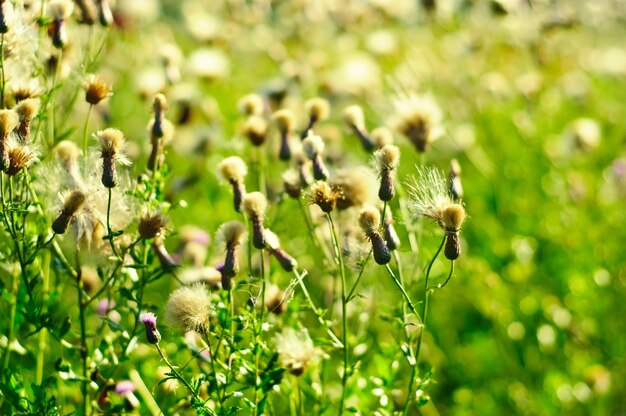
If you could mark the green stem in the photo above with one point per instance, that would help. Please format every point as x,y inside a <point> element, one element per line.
<point>258,347</point>
<point>45,287</point>
<point>11,336</point>
<point>358,279</point>
<point>402,290</point>
<point>84,351</point>
<point>423,327</point>
<point>344,308</point>
<point>178,375</point>
<point>109,229</point>
<point>85,145</point>
<point>317,312</point>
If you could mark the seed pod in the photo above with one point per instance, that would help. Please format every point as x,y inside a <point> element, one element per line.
<point>109,173</point>
<point>323,196</point>
<point>285,120</point>
<point>452,249</point>
<point>369,221</point>
<point>231,266</point>
<point>313,147</point>
<point>386,161</point>
<point>255,128</point>
<point>386,191</point>
<point>239,190</point>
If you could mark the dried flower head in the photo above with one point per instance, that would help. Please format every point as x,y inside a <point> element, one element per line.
<point>20,157</point>
<point>152,225</point>
<point>251,105</point>
<point>189,308</point>
<point>317,108</point>
<point>232,234</point>
<point>419,119</point>
<point>453,217</point>
<point>324,196</point>
<point>67,154</point>
<point>95,89</point>
<point>150,321</point>
<point>8,122</point>
<point>313,148</point>
<point>386,161</point>
<point>255,128</point>
<point>26,110</point>
<point>72,203</point>
<point>296,351</point>
<point>381,136</point>
<point>354,187</point>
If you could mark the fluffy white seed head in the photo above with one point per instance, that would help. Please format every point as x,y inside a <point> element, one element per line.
<point>285,120</point>
<point>232,169</point>
<point>189,308</point>
<point>353,116</point>
<point>317,108</point>
<point>296,351</point>
<point>387,158</point>
<point>369,219</point>
<point>381,136</point>
<point>254,205</point>
<point>251,105</point>
<point>429,196</point>
<point>231,233</point>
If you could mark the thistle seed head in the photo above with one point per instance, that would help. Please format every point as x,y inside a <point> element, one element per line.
<point>232,169</point>
<point>251,105</point>
<point>353,116</point>
<point>317,108</point>
<point>354,187</point>
<point>95,89</point>
<point>152,226</point>
<point>312,145</point>
<point>296,351</point>
<point>369,220</point>
<point>387,158</point>
<point>20,157</point>
<point>381,136</point>
<point>255,128</point>
<point>232,233</point>
<point>254,205</point>
<point>9,120</point>
<point>189,308</point>
<point>419,119</point>
<point>111,142</point>
<point>452,217</point>
<point>27,109</point>
<point>73,202</point>
<point>285,119</point>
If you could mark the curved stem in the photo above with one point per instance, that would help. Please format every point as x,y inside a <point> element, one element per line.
<point>178,375</point>
<point>401,287</point>
<point>442,285</point>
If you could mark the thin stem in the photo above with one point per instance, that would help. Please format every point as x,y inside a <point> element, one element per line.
<point>11,336</point>
<point>396,257</point>
<point>423,326</point>
<point>358,278</point>
<point>317,312</point>
<point>2,74</point>
<point>84,351</point>
<point>402,290</point>
<point>258,347</point>
<point>344,307</point>
<point>442,285</point>
<point>178,375</point>
<point>45,287</point>
<point>220,396</point>
<point>85,143</point>
<point>109,229</point>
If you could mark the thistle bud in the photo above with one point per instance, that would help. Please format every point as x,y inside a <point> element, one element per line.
<point>152,226</point>
<point>456,188</point>
<point>60,11</point>
<point>369,221</point>
<point>26,110</point>
<point>391,236</point>
<point>285,120</point>
<point>291,183</point>
<point>386,161</point>
<point>8,122</point>
<point>111,144</point>
<point>232,234</point>
<point>452,218</point>
<point>354,118</point>
<point>233,170</point>
<point>304,169</point>
<point>152,333</point>
<point>313,147</point>
<point>254,206</point>
<point>322,195</point>
<point>287,262</point>
<point>418,118</point>
<point>317,109</point>
<point>255,128</point>
<point>251,105</point>
<point>161,130</point>
<point>72,204</point>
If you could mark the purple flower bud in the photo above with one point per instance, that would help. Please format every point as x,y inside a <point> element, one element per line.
<point>124,387</point>
<point>152,333</point>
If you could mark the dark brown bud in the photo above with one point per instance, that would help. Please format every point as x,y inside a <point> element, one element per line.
<point>59,34</point>
<point>452,249</point>
<point>285,150</point>
<point>71,205</point>
<point>239,190</point>
<point>231,266</point>
<point>287,262</point>
<point>381,252</point>
<point>156,155</point>
<point>391,236</point>
<point>386,191</point>
<point>364,138</point>
<point>109,173</point>
<point>258,238</point>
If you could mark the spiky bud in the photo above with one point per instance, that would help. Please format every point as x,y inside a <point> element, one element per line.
<point>386,161</point>
<point>152,333</point>
<point>71,205</point>
<point>111,144</point>
<point>232,234</point>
